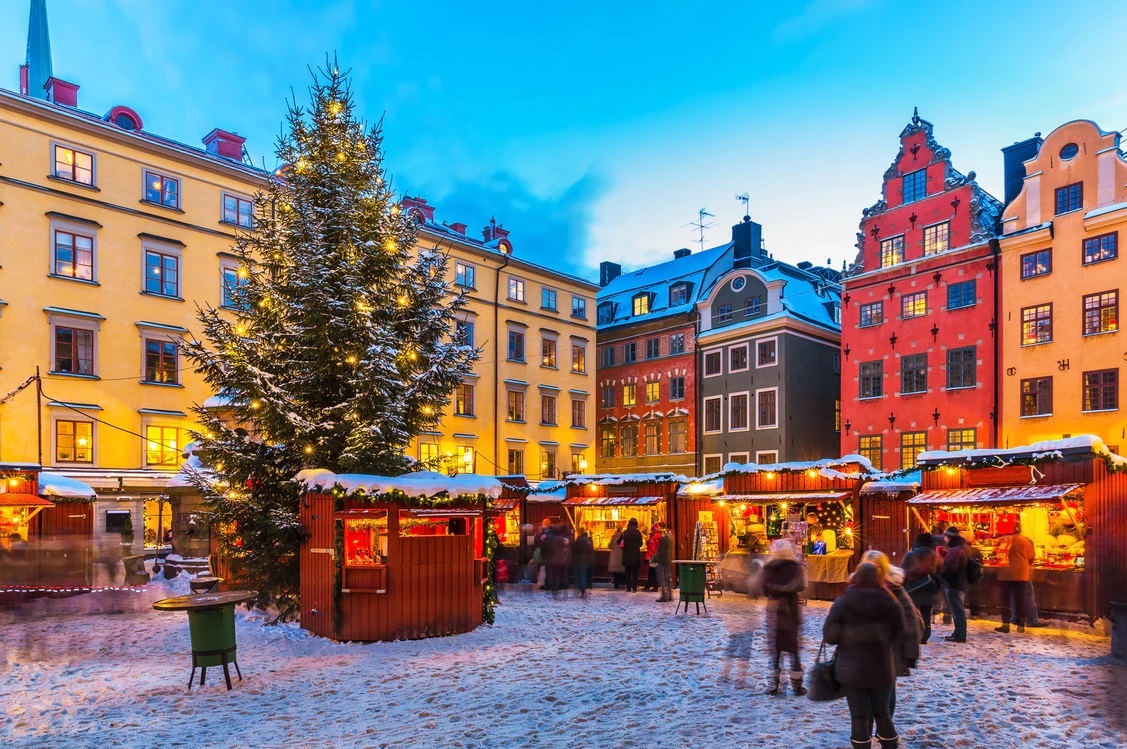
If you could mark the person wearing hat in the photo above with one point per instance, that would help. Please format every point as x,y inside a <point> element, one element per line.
<point>921,578</point>
<point>955,574</point>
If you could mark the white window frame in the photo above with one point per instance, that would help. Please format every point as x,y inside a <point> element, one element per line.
<point>768,426</point>
<point>79,322</point>
<point>704,415</point>
<point>164,422</point>
<point>759,364</point>
<point>704,360</point>
<point>760,455</point>
<point>518,285</point>
<point>163,248</point>
<point>88,152</point>
<point>747,358</point>
<point>705,458</point>
<point>747,415</point>
<point>732,457</point>
<point>146,173</point>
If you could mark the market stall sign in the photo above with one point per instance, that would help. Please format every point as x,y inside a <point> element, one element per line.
<point>1007,495</point>
<point>782,497</point>
<point>17,499</point>
<point>617,501</point>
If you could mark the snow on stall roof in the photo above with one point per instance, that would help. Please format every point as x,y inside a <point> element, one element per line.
<point>223,400</point>
<point>58,485</point>
<point>548,491</point>
<point>1083,444</point>
<point>620,479</point>
<point>698,488</point>
<point>826,467</point>
<point>908,482</point>
<point>419,484</point>
<point>193,465</point>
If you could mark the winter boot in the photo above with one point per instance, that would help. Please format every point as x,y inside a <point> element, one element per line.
<point>796,683</point>
<point>868,744</point>
<point>776,683</point>
<point>892,743</point>
<point>1004,629</point>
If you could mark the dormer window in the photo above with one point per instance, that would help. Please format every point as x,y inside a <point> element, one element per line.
<point>606,313</point>
<point>915,185</point>
<point>641,304</point>
<point>678,294</point>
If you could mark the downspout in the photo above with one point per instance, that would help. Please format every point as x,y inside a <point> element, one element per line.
<point>698,414</point>
<point>497,365</point>
<point>995,247</point>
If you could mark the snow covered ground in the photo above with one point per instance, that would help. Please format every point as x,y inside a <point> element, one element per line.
<point>105,670</point>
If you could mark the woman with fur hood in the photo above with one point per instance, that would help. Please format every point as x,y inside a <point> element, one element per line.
<point>782,579</point>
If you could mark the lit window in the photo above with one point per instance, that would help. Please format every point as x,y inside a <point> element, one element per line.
<point>516,405</point>
<point>548,464</point>
<point>162,274</point>
<point>911,445</point>
<point>74,442</point>
<point>915,185</point>
<point>641,304</point>
<point>872,314</point>
<point>234,281</point>
<point>238,211</point>
<point>936,238</point>
<point>961,439</point>
<point>653,392</point>
<point>465,275</point>
<point>630,395</point>
<point>161,362</point>
<point>464,400</point>
<point>1037,396</point>
<point>653,437</point>
<point>913,305</point>
<point>1101,390</point>
<point>548,352</point>
<point>870,449</point>
<point>1038,263</point>
<point>516,462</point>
<point>578,358</point>
<point>606,442</point>
<point>163,445</point>
<point>1101,312</point>
<point>74,166</point>
<point>629,440</point>
<point>1098,249</point>
<point>892,251</point>
<point>74,255</point>
<point>162,190</point>
<point>678,436</point>
<point>1037,325</point>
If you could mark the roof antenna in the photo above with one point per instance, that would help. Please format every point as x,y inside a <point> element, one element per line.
<point>700,225</point>
<point>746,201</point>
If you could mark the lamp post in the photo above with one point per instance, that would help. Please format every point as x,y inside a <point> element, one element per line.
<point>582,465</point>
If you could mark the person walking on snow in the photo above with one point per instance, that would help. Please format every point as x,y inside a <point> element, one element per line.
<point>1014,578</point>
<point>651,549</point>
<point>614,563</point>
<point>906,653</point>
<point>956,565</point>
<point>631,554</point>
<point>583,559</point>
<point>782,580</point>
<point>664,558</point>
<point>921,579</point>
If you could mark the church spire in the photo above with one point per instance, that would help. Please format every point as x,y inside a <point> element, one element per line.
<point>38,51</point>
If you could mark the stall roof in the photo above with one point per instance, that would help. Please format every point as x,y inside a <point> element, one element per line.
<point>619,479</point>
<point>19,499</point>
<point>782,497</point>
<point>617,501</point>
<point>827,468</point>
<point>419,484</point>
<point>506,504</point>
<point>58,485</point>
<point>997,495</point>
<point>1083,445</point>
<point>909,482</point>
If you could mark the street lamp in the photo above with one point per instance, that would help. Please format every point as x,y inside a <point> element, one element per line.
<point>582,465</point>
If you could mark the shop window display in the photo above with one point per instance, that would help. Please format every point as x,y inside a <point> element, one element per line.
<point>819,528</point>
<point>602,522</point>
<point>365,540</point>
<point>1057,532</point>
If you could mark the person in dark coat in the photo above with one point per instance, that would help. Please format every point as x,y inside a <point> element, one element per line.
<point>555,554</point>
<point>907,651</point>
<point>583,560</point>
<point>631,554</point>
<point>954,574</point>
<point>782,579</point>
<point>651,565</point>
<point>614,563</point>
<point>921,579</point>
<point>663,556</point>
<point>866,623</point>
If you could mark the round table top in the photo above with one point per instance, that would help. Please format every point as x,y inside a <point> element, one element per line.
<point>205,601</point>
<point>696,561</point>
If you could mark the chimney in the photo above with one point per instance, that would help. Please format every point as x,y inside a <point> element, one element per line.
<point>805,265</point>
<point>493,231</point>
<point>23,79</point>
<point>608,271</point>
<point>458,227</point>
<point>683,252</point>
<point>61,92</point>
<point>418,209</point>
<point>1013,158</point>
<point>225,144</point>
<point>747,238</point>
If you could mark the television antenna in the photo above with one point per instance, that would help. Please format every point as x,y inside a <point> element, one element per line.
<point>700,225</point>
<point>746,201</point>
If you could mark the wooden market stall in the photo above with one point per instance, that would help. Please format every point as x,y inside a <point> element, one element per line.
<point>1070,497</point>
<point>395,558</point>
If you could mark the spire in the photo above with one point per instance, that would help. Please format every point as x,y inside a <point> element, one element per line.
<point>38,51</point>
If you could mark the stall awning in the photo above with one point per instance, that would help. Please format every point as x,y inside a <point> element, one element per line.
<point>997,495</point>
<point>617,501</point>
<point>17,499</point>
<point>776,497</point>
<point>506,504</point>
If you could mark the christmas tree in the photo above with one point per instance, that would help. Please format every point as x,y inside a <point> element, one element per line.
<point>342,347</point>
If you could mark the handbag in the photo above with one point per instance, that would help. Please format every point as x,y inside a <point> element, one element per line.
<point>823,686</point>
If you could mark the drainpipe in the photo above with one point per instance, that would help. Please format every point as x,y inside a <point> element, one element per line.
<point>698,415</point>
<point>497,364</point>
<point>996,251</point>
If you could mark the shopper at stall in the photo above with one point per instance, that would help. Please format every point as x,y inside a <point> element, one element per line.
<point>664,559</point>
<point>865,623</point>
<point>651,565</point>
<point>782,579</point>
<point>583,561</point>
<point>955,574</point>
<point>614,563</point>
<point>1014,578</point>
<point>937,532</point>
<point>555,555</point>
<point>921,579</point>
<point>631,544</point>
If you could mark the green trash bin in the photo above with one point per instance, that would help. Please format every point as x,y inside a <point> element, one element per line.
<point>213,635</point>
<point>692,584</point>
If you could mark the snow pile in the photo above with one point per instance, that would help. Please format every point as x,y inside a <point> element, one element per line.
<point>909,482</point>
<point>698,488</point>
<point>58,485</point>
<point>419,484</point>
<point>826,468</point>
<point>1045,450</point>
<point>191,467</point>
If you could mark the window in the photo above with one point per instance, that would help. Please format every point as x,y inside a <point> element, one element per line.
<point>547,463</point>
<point>629,440</point>
<point>837,415</point>
<point>737,358</point>
<point>892,251</point>
<point>161,362</point>
<point>737,412</point>
<point>579,307</point>
<point>605,313</point>
<point>578,462</point>
<point>961,439</point>
<point>608,397</point>
<point>913,374</point>
<point>653,348</point>
<point>870,449</point>
<point>516,462</point>
<point>767,408</point>
<point>516,345</point>
<point>74,351</point>
<point>239,211</point>
<point>653,392</point>
<point>676,344</point>
<point>465,275</point>
<point>712,363</point>
<point>678,294</point>
<point>1037,396</point>
<point>163,445</point>
<point>872,314</point>
<point>653,437</point>
<point>753,305</point>
<point>578,357</point>
<point>516,405</point>
<point>913,305</point>
<point>915,185</point>
<point>463,402</point>
<point>723,313</point>
<point>962,367</point>
<point>606,442</point>
<point>234,280</point>
<point>960,295</point>
<point>1038,263</point>
<point>548,352</point>
<point>464,333</point>
<point>578,413</point>
<point>911,445</point>
<point>767,352</point>
<point>428,454</point>
<point>1101,312</point>
<point>74,256</point>
<point>712,414</point>
<point>1070,198</point>
<point>516,289</point>
<point>630,395</point>
<point>547,409</point>
<point>713,463</point>
<point>676,388</point>
<point>641,304</point>
<point>162,274</point>
<point>766,457</point>
<point>608,356</point>
<point>1037,324</point>
<point>1101,390</point>
<point>548,298</point>
<point>937,238</point>
<point>162,189</point>
<point>678,436</point>
<point>630,353</point>
<point>1098,249</point>
<point>872,379</point>
<point>74,442</point>
<point>74,165</point>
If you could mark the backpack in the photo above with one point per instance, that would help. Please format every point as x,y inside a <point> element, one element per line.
<point>974,569</point>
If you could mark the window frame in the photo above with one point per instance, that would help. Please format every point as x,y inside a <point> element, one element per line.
<point>549,352</point>
<point>465,274</point>
<point>1047,391</point>
<point>1075,189</point>
<point>604,401</point>
<point>733,350</point>
<point>1099,309</point>
<point>918,377</point>
<point>953,446</point>
<point>646,428</point>
<point>761,455</point>
<point>759,342</point>
<point>653,388</point>
<point>640,304</point>
<point>516,405</point>
<point>578,357</point>
<point>718,401</point>
<point>75,326</point>
<point>516,290</point>
<point>955,292</point>
<point>73,179</point>
<point>163,344</point>
<point>1098,241</point>
<point>629,394</point>
<point>719,354</point>
<point>630,352</point>
<point>708,458</point>
<point>873,322</point>
<point>579,307</point>
<point>548,294</point>
<point>549,409</point>
<point>678,294</point>
<point>1036,269</point>
<point>514,461</point>
<point>251,219</point>
<point>655,345</point>
<point>74,421</point>
<point>608,437</point>
<point>743,422</point>
<point>465,332</point>
<point>960,366</point>
<point>516,340</point>
<point>723,314</point>
<point>164,252</point>
<point>464,400</point>
<point>1036,321</point>
<point>915,435</point>
<point>227,295</point>
<point>578,409</point>
<point>1101,390</point>
<point>681,433</point>
<point>679,380</point>
<point>774,391</point>
<point>892,249</point>
<point>912,303</point>
<point>75,231</point>
<point>936,240</point>
<point>182,437</point>
<point>680,348</point>
<point>918,186</point>
<point>148,173</point>
<point>875,378</point>
<point>874,442</point>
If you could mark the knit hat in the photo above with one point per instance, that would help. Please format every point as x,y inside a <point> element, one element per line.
<point>925,539</point>
<point>952,531</point>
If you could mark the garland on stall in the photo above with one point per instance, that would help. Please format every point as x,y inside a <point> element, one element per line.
<point>489,594</point>
<point>1113,462</point>
<point>338,568</point>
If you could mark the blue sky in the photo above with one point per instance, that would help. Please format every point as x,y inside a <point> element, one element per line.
<point>596,131</point>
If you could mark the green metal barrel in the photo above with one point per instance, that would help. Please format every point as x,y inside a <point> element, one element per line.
<point>692,578</point>
<point>212,630</point>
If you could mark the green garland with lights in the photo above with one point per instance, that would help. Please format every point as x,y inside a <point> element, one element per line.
<point>489,593</point>
<point>1051,456</point>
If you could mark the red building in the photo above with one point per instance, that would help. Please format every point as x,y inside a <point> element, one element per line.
<point>919,310</point>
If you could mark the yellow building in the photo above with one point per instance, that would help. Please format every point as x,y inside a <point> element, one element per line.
<point>1061,278</point>
<point>110,237</point>
<point>527,409</point>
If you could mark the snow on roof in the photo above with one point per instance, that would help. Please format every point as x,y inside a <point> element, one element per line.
<point>1084,444</point>
<point>656,280</point>
<point>193,465</point>
<point>627,478</point>
<point>1104,209</point>
<point>58,485</point>
<point>222,400</point>
<point>908,482</point>
<point>419,484</point>
<point>826,467</point>
<point>697,488</point>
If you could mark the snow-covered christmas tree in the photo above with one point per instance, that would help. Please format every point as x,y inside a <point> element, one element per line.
<point>341,349</point>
